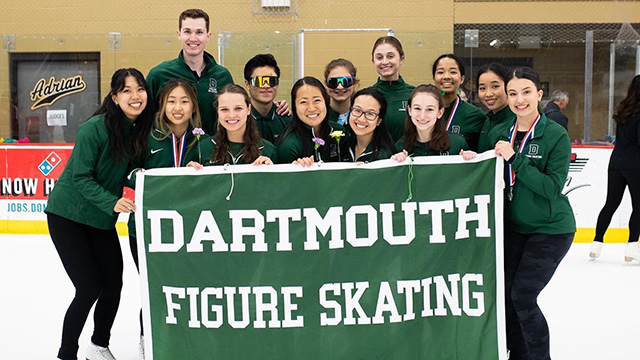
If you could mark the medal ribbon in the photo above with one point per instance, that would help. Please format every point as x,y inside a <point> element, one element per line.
<point>528,136</point>
<point>177,145</point>
<point>453,113</point>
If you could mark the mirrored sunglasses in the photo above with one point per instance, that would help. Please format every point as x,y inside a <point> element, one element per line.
<point>260,81</point>
<point>345,81</point>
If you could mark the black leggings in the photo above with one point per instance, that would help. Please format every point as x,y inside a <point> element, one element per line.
<point>133,244</point>
<point>618,180</point>
<point>93,261</point>
<point>529,263</point>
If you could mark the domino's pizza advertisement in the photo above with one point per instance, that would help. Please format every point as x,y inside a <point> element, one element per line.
<point>29,173</point>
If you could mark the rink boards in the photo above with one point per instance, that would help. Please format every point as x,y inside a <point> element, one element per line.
<point>29,173</point>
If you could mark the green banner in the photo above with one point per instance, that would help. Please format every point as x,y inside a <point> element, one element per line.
<point>336,261</point>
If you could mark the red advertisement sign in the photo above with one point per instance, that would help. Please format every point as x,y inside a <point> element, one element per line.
<point>28,174</point>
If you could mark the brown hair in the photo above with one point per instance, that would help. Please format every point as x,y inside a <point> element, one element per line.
<point>193,14</point>
<point>439,138</point>
<point>392,40</point>
<point>340,63</point>
<point>250,139</point>
<point>630,105</point>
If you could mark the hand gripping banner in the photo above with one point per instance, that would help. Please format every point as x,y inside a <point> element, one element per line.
<point>336,261</point>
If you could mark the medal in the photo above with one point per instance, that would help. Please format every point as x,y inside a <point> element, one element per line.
<point>453,113</point>
<point>512,138</point>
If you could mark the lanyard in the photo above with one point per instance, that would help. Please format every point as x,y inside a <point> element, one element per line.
<point>453,113</point>
<point>512,138</point>
<point>177,145</point>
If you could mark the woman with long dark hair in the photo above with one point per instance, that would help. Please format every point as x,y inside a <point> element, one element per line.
<point>308,135</point>
<point>624,170</point>
<point>84,205</point>
<point>369,140</point>
<point>539,222</point>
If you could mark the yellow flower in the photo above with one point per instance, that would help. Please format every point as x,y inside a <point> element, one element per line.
<point>337,134</point>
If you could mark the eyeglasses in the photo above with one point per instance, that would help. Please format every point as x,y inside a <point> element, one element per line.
<point>345,81</point>
<point>357,112</point>
<point>260,81</point>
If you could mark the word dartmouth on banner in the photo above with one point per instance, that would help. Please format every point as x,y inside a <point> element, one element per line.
<point>336,261</point>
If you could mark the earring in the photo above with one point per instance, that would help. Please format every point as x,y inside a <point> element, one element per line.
<point>442,92</point>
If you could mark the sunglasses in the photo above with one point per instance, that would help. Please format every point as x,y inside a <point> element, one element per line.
<point>345,81</point>
<point>260,81</point>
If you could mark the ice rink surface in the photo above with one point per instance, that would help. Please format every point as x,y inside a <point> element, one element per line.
<point>592,307</point>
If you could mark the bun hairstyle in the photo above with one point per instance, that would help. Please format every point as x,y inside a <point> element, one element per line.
<point>495,68</point>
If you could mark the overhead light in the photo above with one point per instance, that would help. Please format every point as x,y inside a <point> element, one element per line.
<point>495,43</point>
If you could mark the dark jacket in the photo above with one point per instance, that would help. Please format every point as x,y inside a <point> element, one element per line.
<point>212,78</point>
<point>626,154</point>
<point>552,111</point>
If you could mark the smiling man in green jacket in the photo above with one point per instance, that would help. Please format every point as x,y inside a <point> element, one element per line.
<point>195,65</point>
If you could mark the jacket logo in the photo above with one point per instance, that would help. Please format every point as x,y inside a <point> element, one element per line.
<point>153,151</point>
<point>455,129</point>
<point>405,103</point>
<point>46,93</point>
<point>213,86</point>
<point>533,149</point>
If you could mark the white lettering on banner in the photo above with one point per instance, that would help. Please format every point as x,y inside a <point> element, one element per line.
<point>335,297</point>
<point>266,307</point>
<point>356,217</point>
<point>330,221</point>
<point>208,306</point>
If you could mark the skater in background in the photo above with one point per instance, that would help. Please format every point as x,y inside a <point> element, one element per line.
<point>539,224</point>
<point>84,206</point>
<point>624,170</point>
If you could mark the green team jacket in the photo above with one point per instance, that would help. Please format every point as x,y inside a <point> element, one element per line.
<point>271,125</point>
<point>422,149</point>
<point>235,150</point>
<point>468,122</point>
<point>291,149</point>
<point>367,154</point>
<point>397,94</point>
<point>159,154</point>
<point>538,205</point>
<point>92,181</point>
<point>493,120</point>
<point>213,77</point>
